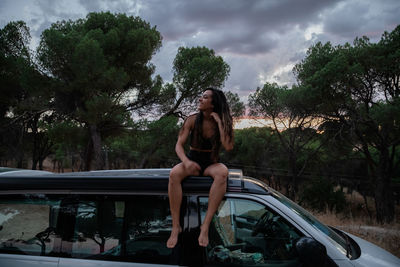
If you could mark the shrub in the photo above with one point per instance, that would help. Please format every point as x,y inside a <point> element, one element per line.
<point>320,193</point>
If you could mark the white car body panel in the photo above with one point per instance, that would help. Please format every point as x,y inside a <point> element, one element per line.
<point>372,255</point>
<point>66,262</point>
<point>10,260</point>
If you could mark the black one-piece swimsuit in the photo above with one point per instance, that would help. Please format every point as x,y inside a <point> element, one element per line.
<point>204,159</point>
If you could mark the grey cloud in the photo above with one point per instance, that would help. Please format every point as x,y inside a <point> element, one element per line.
<point>115,6</point>
<point>168,19</point>
<point>297,56</point>
<point>3,5</point>
<point>55,9</point>
<point>265,15</point>
<point>164,60</point>
<point>91,6</point>
<point>358,18</point>
<point>232,26</point>
<point>342,20</point>
<point>244,76</point>
<point>242,41</point>
<point>392,14</point>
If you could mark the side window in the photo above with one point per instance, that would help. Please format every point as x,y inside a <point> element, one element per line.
<point>129,228</point>
<point>245,232</point>
<point>27,225</point>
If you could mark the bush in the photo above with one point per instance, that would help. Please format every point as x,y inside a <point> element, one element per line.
<point>320,193</point>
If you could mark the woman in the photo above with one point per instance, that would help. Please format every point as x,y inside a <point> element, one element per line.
<point>209,129</point>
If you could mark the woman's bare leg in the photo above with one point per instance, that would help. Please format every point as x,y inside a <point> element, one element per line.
<point>177,174</point>
<point>219,172</point>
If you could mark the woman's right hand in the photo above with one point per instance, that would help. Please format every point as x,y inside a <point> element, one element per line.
<point>192,167</point>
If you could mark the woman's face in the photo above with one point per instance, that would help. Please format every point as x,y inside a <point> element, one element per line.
<point>205,101</point>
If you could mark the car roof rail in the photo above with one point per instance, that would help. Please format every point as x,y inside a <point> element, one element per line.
<point>137,179</point>
<point>237,182</point>
<point>5,171</point>
<point>235,173</point>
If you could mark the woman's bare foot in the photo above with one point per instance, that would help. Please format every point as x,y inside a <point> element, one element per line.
<point>203,237</point>
<point>173,238</point>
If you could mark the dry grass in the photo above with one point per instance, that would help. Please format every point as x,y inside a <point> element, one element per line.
<point>355,220</point>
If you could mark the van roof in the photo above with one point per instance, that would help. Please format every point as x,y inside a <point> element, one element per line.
<point>140,180</point>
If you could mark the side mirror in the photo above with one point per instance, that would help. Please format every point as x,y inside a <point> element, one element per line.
<point>311,252</point>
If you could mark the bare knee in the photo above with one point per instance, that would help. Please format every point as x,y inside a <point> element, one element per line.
<point>221,176</point>
<point>175,176</point>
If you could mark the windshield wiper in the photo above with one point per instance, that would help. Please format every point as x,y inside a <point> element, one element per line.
<point>348,247</point>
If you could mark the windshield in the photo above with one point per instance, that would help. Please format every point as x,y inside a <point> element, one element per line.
<point>335,239</point>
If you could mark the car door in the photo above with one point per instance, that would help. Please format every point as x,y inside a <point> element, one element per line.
<point>27,233</point>
<point>119,230</point>
<point>247,232</point>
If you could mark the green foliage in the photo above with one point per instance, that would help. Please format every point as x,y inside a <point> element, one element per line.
<point>195,69</point>
<point>320,194</point>
<point>26,97</point>
<point>14,40</point>
<point>158,142</point>
<point>254,147</point>
<point>237,107</point>
<point>293,122</point>
<point>357,88</point>
<point>146,144</point>
<point>198,68</point>
<point>69,140</point>
<point>265,101</point>
<point>97,63</point>
<point>104,55</point>
<point>14,56</point>
<point>67,134</point>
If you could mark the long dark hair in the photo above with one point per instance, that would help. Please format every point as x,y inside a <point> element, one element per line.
<point>221,107</point>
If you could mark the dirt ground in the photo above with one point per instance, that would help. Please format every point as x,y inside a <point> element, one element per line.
<point>20,215</point>
<point>356,221</point>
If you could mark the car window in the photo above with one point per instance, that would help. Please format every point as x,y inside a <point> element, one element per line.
<point>38,237</point>
<point>95,227</point>
<point>132,229</point>
<point>338,241</point>
<point>244,232</point>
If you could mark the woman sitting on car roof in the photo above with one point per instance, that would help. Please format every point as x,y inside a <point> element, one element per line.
<point>209,129</point>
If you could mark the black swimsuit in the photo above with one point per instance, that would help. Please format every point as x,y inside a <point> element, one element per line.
<point>201,158</point>
<point>204,159</point>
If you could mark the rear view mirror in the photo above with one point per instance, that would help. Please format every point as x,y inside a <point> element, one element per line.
<point>311,252</point>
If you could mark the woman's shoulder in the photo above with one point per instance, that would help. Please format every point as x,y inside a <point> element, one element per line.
<point>190,120</point>
<point>192,117</point>
<point>193,114</point>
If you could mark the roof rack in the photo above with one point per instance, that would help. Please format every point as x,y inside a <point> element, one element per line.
<point>155,180</point>
<point>235,173</point>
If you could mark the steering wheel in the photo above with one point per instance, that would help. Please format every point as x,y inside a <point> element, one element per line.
<point>261,224</point>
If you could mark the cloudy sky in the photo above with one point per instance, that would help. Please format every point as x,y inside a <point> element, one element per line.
<point>261,40</point>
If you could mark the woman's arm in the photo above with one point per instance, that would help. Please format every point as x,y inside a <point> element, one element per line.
<point>226,141</point>
<point>182,137</point>
<point>179,147</point>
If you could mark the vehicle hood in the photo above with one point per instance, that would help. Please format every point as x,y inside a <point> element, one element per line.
<point>372,255</point>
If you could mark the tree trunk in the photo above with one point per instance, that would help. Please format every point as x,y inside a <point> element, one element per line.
<point>34,134</point>
<point>96,143</point>
<point>384,200</point>
<point>293,180</point>
<point>34,162</point>
<point>41,163</point>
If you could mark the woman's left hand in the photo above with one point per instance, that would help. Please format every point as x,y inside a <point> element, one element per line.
<point>216,117</point>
